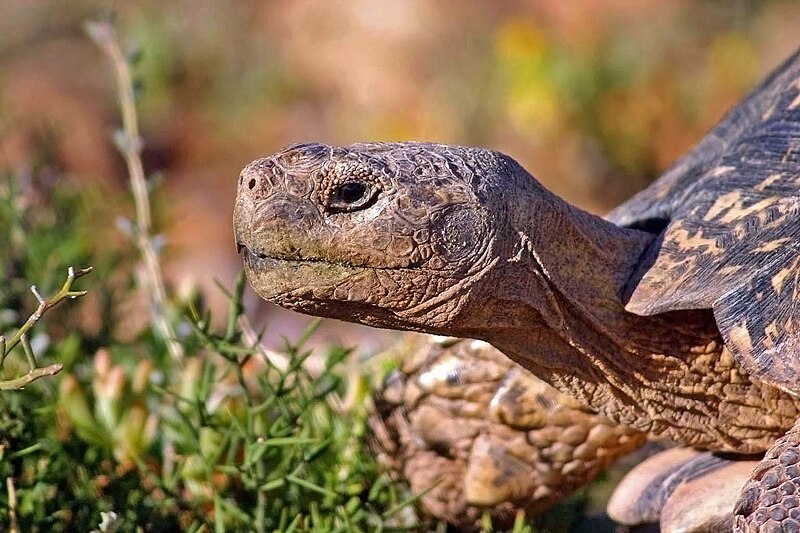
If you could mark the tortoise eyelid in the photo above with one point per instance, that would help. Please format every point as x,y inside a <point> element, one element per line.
<point>352,195</point>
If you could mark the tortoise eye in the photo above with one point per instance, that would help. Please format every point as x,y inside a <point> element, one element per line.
<point>352,195</point>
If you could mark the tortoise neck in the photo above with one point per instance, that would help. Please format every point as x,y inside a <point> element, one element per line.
<point>554,304</point>
<point>579,259</point>
<point>559,283</point>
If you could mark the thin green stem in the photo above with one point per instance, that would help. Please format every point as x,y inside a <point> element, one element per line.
<point>26,347</point>
<point>21,336</point>
<point>44,305</point>
<point>32,375</point>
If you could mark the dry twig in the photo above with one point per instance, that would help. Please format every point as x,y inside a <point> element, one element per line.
<point>12,505</point>
<point>21,336</point>
<point>130,145</point>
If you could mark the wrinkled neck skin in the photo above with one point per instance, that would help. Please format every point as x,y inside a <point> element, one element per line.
<point>553,303</point>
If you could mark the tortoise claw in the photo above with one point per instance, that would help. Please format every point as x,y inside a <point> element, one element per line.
<point>684,490</point>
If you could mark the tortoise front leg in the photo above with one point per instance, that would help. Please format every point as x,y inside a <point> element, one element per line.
<point>474,433</point>
<point>770,500</point>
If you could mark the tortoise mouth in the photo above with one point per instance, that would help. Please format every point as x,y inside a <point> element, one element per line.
<point>294,280</point>
<point>261,259</point>
<point>312,286</point>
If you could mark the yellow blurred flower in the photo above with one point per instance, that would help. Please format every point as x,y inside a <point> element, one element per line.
<point>733,61</point>
<point>531,97</point>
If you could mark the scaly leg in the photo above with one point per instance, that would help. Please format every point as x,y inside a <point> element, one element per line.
<point>770,500</point>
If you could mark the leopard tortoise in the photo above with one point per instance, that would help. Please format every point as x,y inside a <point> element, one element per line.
<point>676,315</point>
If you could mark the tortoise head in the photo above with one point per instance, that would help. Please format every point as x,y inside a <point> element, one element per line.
<point>396,234</point>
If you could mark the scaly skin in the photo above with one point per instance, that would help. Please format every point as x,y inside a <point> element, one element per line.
<point>770,501</point>
<point>464,242</point>
<point>438,245</point>
<point>435,243</point>
<point>478,433</point>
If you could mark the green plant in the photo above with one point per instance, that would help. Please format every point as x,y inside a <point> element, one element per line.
<point>148,430</point>
<point>231,437</point>
<point>21,336</point>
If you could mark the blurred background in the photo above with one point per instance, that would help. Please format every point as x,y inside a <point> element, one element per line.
<point>594,97</point>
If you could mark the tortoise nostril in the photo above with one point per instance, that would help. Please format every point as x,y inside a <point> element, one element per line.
<point>251,183</point>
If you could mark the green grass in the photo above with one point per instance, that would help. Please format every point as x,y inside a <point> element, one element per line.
<point>134,435</point>
<point>231,438</point>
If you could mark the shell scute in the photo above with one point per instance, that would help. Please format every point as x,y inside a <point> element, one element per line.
<point>732,241</point>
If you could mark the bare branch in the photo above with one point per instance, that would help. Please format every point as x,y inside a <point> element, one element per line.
<point>21,336</point>
<point>45,304</point>
<point>12,505</point>
<point>26,346</point>
<point>32,375</point>
<point>36,293</point>
<point>129,143</point>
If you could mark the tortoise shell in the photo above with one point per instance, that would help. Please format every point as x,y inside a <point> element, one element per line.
<point>728,213</point>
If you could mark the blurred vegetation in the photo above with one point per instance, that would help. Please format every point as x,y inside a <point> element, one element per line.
<point>594,97</point>
<point>231,438</point>
<point>134,437</point>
